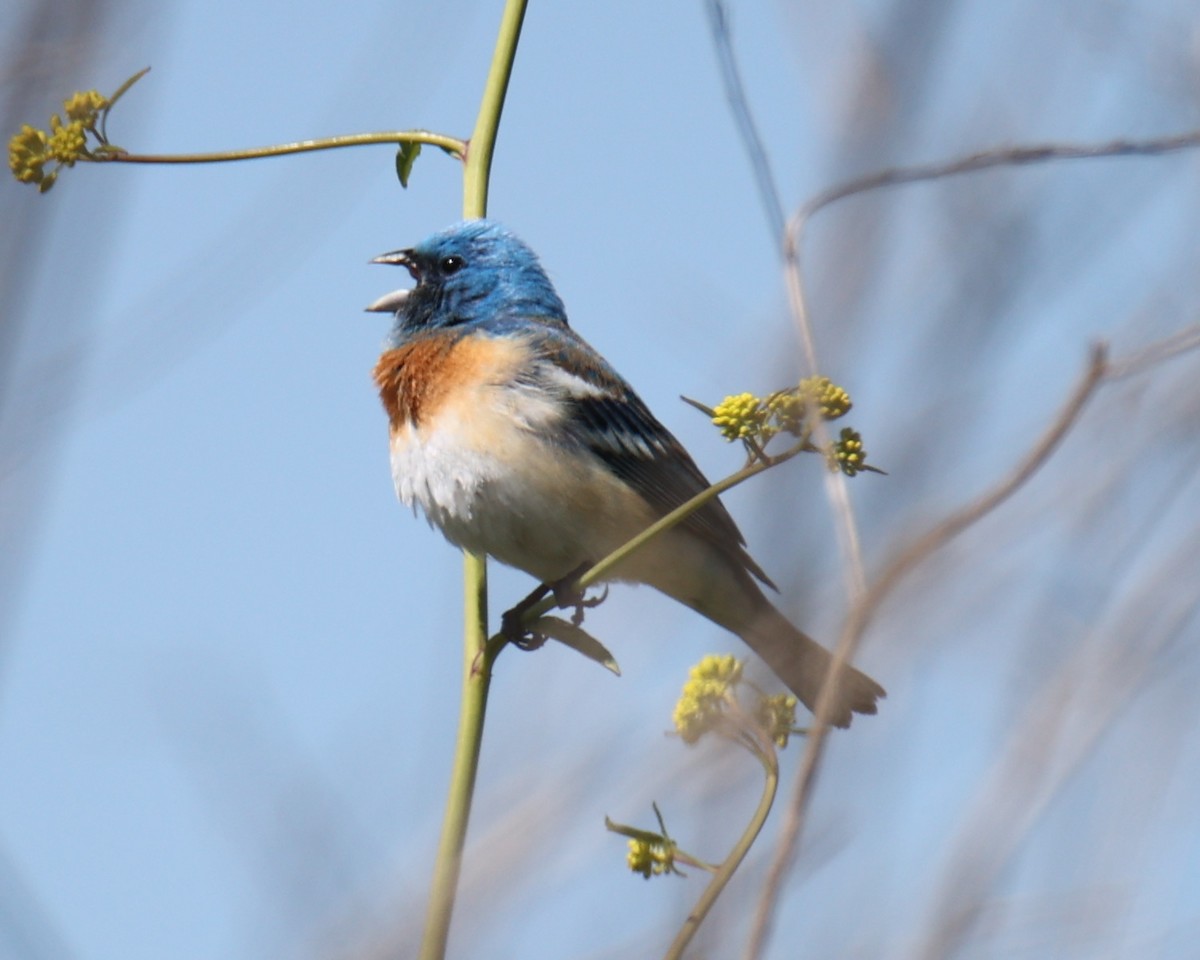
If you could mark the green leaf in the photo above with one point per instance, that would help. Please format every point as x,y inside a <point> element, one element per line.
<point>707,411</point>
<point>406,156</point>
<point>124,88</point>
<point>577,639</point>
<point>634,833</point>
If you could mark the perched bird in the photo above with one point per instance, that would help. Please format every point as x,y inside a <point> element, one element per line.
<point>517,440</point>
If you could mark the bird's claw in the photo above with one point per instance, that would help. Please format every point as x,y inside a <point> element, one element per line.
<point>567,595</point>
<point>582,603</point>
<point>512,626</point>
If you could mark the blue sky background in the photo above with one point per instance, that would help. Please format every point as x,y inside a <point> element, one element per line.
<point>230,659</point>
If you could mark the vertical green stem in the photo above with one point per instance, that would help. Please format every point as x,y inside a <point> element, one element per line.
<point>477,662</point>
<point>483,140</point>
<point>476,678</point>
<point>722,877</point>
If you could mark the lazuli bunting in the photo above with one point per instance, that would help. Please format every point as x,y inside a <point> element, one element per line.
<point>517,440</point>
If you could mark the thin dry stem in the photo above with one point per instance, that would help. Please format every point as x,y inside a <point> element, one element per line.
<point>1098,371</point>
<point>768,189</point>
<point>1156,353</point>
<point>865,601</point>
<point>985,160</point>
<point>836,490</point>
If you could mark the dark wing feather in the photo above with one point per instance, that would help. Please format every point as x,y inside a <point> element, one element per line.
<point>617,427</point>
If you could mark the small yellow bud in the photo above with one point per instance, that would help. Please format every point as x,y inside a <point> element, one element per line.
<point>848,455</point>
<point>691,718</point>
<point>651,857</point>
<point>830,399</point>
<point>67,142</point>
<point>740,417</point>
<point>777,716</point>
<point>724,669</point>
<point>704,695</point>
<point>639,858</point>
<point>84,107</point>
<point>27,154</point>
<point>786,410</point>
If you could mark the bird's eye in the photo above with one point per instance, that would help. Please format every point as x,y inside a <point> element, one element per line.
<point>451,264</point>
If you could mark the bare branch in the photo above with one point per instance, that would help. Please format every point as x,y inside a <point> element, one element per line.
<point>735,93</point>
<point>865,601</point>
<point>973,163</point>
<point>1158,352</point>
<point>860,614</point>
<point>985,160</point>
<point>1099,370</point>
<point>949,528</point>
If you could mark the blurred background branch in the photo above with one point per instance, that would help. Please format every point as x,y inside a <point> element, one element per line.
<point>213,684</point>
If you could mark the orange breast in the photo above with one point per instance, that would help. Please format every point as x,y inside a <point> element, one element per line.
<point>418,379</point>
<point>409,378</point>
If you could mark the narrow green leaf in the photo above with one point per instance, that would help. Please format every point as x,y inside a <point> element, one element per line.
<point>634,833</point>
<point>406,156</point>
<point>707,411</point>
<point>124,88</point>
<point>577,639</point>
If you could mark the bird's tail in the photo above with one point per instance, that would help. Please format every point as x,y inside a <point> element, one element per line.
<point>710,583</point>
<point>802,664</point>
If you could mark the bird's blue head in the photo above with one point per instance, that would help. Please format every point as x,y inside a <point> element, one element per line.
<point>473,272</point>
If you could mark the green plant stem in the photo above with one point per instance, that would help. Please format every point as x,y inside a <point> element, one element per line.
<point>476,680</point>
<point>725,872</point>
<point>452,145</point>
<point>678,515</point>
<point>482,144</point>
<point>478,656</point>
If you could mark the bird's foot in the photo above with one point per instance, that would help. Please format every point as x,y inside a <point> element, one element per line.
<point>567,595</point>
<point>512,622</point>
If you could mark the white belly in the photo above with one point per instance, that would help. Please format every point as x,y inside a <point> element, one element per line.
<point>491,485</point>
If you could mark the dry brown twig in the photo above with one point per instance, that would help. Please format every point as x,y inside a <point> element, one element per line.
<point>895,176</point>
<point>865,600</point>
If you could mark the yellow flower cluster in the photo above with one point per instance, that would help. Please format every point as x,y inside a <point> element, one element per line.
<point>84,107</point>
<point>27,154</point>
<point>756,421</point>
<point>67,141</point>
<point>777,716</point>
<point>785,412</point>
<point>651,857</point>
<point>31,149</point>
<point>747,417</point>
<point>830,399</point>
<point>740,417</point>
<point>848,454</point>
<point>705,694</point>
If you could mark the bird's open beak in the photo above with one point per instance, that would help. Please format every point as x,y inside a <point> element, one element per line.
<point>394,302</point>
<point>389,303</point>
<point>396,257</point>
